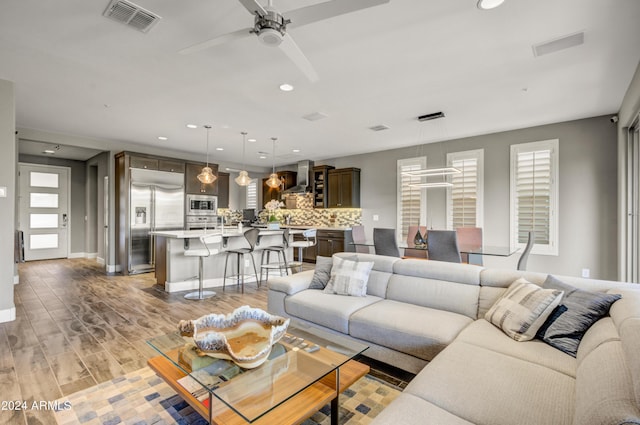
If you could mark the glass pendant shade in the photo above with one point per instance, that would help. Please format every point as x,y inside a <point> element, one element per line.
<point>274,181</point>
<point>243,179</point>
<point>206,176</point>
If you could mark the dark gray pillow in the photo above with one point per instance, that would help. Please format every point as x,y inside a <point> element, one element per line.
<point>575,314</point>
<point>322,273</point>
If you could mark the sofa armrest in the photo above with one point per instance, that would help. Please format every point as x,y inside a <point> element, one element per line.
<point>292,283</point>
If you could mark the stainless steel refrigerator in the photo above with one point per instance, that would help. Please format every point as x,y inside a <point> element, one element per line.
<point>156,203</point>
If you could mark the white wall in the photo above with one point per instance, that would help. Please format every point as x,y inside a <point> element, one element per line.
<point>588,178</point>
<point>7,204</point>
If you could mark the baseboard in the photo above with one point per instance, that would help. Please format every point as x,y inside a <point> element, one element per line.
<point>91,255</point>
<point>100,260</point>
<point>190,285</point>
<point>76,255</point>
<point>112,268</point>
<point>8,315</point>
<point>16,279</point>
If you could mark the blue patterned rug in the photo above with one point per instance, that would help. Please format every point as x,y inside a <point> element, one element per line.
<point>142,398</point>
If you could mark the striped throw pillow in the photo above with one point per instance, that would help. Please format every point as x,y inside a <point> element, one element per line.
<point>349,277</point>
<point>523,309</point>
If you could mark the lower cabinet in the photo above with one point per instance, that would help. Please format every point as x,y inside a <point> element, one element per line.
<point>330,242</point>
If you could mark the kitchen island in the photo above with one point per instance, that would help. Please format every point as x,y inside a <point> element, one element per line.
<point>176,272</point>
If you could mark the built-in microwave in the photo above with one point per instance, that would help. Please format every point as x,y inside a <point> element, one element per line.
<point>202,205</point>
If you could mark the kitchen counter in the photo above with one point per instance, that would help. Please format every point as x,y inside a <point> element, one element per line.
<point>226,233</point>
<point>305,227</point>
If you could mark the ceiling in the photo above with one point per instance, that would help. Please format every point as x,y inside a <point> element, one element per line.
<point>79,73</point>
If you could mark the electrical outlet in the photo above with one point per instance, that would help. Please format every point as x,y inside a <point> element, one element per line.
<point>376,217</point>
<point>247,263</point>
<point>586,273</point>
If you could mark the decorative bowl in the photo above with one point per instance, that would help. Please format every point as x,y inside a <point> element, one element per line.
<point>244,336</point>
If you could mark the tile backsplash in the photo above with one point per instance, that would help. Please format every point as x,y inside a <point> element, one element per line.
<point>300,209</point>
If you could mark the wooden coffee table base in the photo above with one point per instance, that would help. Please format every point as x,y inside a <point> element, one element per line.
<point>293,411</point>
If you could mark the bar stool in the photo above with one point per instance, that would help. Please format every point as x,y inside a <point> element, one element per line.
<point>201,253</point>
<point>310,240</point>
<point>251,236</point>
<point>279,250</point>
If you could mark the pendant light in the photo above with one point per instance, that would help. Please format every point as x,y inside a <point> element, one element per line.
<point>274,181</point>
<point>243,179</point>
<point>206,176</point>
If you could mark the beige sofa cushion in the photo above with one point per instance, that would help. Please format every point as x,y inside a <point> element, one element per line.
<point>408,409</point>
<point>329,310</point>
<point>487,387</point>
<point>419,331</point>
<point>483,334</point>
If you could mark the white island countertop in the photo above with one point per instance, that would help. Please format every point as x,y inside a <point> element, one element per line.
<point>227,233</point>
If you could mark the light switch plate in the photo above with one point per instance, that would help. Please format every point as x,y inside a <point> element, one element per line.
<point>376,217</point>
<point>3,191</point>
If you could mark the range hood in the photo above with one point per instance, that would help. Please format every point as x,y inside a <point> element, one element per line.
<point>304,171</point>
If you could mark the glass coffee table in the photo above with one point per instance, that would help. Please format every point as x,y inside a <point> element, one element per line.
<point>307,369</point>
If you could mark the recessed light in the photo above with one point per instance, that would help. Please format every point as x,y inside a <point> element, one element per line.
<point>162,138</point>
<point>295,150</point>
<point>251,140</point>
<point>219,149</point>
<point>49,151</point>
<point>262,157</point>
<point>489,4</point>
<point>192,126</point>
<point>286,87</point>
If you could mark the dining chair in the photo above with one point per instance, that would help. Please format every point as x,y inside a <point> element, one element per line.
<point>443,246</point>
<point>384,242</point>
<point>522,261</point>
<point>470,238</point>
<point>411,235</point>
<point>357,234</point>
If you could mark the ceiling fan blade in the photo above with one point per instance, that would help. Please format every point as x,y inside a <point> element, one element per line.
<point>253,7</point>
<point>236,35</point>
<point>291,49</point>
<point>328,9</point>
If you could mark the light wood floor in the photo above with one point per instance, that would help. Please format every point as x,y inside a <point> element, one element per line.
<point>76,326</point>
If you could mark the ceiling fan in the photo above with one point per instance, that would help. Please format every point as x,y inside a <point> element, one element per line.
<point>270,26</point>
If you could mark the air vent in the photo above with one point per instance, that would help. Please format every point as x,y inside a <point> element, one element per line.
<point>429,117</point>
<point>379,127</point>
<point>315,116</point>
<point>558,44</point>
<point>131,15</point>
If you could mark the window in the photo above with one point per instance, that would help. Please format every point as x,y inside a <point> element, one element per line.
<point>465,198</point>
<point>252,195</point>
<point>534,195</point>
<point>412,201</point>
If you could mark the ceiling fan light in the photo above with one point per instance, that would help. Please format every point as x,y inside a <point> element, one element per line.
<point>489,4</point>
<point>274,181</point>
<point>270,37</point>
<point>243,179</point>
<point>206,176</point>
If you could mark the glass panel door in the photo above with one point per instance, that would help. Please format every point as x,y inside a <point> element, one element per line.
<point>43,211</point>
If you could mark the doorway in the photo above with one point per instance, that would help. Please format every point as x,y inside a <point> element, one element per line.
<point>43,211</point>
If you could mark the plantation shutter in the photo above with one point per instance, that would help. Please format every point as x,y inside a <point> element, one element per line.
<point>411,201</point>
<point>252,195</point>
<point>464,194</point>
<point>533,195</point>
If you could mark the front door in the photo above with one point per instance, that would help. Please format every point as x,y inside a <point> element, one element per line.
<point>44,211</point>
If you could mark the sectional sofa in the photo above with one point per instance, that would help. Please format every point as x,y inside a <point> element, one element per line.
<point>428,317</point>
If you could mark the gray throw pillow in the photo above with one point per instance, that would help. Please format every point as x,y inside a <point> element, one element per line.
<point>322,273</point>
<point>577,311</point>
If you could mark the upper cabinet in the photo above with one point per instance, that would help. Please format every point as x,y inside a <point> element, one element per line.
<point>344,188</point>
<point>195,186</point>
<point>223,190</point>
<point>143,162</point>
<point>320,182</point>
<point>172,166</point>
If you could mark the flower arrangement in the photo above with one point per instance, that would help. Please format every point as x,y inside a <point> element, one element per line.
<point>272,206</point>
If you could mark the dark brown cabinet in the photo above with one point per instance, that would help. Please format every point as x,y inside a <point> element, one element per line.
<point>330,242</point>
<point>269,193</point>
<point>344,188</point>
<point>195,186</point>
<point>171,166</point>
<point>321,185</point>
<point>143,162</point>
<point>308,254</point>
<point>223,190</point>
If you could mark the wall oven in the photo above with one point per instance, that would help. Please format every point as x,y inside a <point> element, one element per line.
<point>202,205</point>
